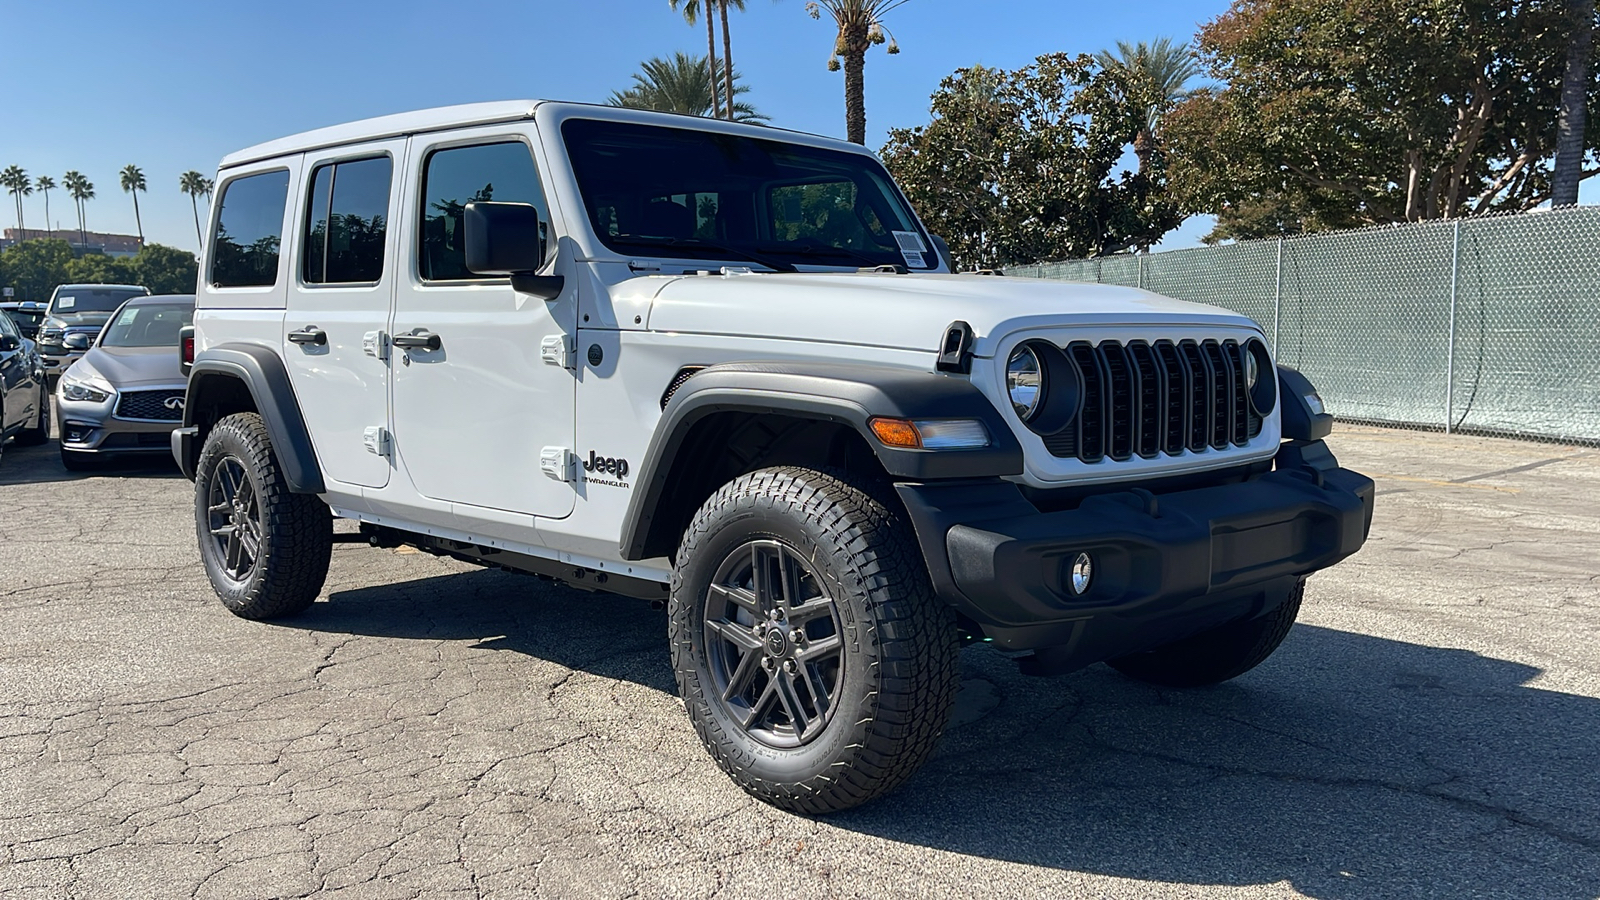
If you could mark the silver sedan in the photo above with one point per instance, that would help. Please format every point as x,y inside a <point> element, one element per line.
<point>126,394</point>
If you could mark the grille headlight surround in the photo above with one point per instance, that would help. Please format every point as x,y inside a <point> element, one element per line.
<point>1260,377</point>
<point>1025,382</point>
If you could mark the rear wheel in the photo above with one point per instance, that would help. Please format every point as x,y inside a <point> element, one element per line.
<point>39,431</point>
<point>266,550</point>
<point>814,660</point>
<point>1214,656</point>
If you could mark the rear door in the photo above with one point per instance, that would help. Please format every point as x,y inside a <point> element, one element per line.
<point>472,415</point>
<point>16,380</point>
<point>339,299</point>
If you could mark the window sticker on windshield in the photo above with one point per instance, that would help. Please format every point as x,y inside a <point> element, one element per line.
<point>66,302</point>
<point>912,248</point>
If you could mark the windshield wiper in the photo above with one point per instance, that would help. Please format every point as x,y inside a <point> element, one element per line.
<point>830,250</point>
<point>640,240</point>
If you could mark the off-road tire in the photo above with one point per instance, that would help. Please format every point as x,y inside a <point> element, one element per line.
<point>1217,655</point>
<point>899,642</point>
<point>40,432</point>
<point>296,530</point>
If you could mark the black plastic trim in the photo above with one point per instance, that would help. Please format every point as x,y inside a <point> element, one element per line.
<point>1299,422</point>
<point>843,393</point>
<point>263,373</point>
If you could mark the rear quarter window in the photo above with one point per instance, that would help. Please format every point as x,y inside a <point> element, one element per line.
<point>249,235</point>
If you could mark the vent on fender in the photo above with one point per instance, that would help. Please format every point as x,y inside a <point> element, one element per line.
<point>684,374</point>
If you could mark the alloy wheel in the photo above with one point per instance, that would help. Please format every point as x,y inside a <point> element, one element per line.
<point>234,518</point>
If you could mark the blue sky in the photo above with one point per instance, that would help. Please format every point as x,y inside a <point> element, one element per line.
<point>176,84</point>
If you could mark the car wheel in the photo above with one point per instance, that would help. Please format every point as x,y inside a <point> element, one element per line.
<point>39,433</point>
<point>266,550</point>
<point>1215,656</point>
<point>814,660</point>
<point>78,461</point>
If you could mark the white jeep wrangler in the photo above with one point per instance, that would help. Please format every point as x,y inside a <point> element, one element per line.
<point>725,368</point>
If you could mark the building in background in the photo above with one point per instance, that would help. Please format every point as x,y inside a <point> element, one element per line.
<point>94,241</point>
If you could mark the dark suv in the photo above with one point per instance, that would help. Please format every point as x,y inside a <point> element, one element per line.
<point>74,318</point>
<point>24,399</point>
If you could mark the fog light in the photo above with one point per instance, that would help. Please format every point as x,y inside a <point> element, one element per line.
<point>1082,573</point>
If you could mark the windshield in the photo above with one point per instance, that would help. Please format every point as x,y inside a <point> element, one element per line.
<point>659,191</point>
<point>91,299</point>
<point>147,325</point>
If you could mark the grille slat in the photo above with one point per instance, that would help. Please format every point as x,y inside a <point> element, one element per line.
<point>150,405</point>
<point>1147,400</point>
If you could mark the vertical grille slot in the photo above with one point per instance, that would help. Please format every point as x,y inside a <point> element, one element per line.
<point>1146,399</point>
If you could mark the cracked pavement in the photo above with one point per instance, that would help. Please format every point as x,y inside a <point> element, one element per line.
<point>1431,728</point>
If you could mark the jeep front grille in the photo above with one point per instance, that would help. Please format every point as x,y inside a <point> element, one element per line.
<point>150,405</point>
<point>1150,399</point>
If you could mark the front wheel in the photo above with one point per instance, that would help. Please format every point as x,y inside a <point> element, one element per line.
<point>266,550</point>
<point>1215,656</point>
<point>814,660</point>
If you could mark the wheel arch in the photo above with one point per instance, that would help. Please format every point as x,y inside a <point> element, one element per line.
<point>731,418</point>
<point>235,378</point>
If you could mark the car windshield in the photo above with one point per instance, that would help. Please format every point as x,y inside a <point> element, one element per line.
<point>147,325</point>
<point>91,299</point>
<point>680,192</point>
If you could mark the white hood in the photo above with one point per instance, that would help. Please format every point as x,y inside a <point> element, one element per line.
<point>907,312</point>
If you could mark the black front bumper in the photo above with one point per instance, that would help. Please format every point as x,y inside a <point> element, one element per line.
<point>1165,566</point>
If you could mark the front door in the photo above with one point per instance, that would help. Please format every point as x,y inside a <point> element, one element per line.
<point>339,299</point>
<point>475,400</point>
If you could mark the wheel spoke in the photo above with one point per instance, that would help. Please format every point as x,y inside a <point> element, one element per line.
<point>790,698</point>
<point>743,674</point>
<point>818,691</point>
<point>222,507</point>
<point>223,531</point>
<point>736,634</point>
<point>762,702</point>
<point>814,608</point>
<point>819,648</point>
<point>745,599</point>
<point>761,576</point>
<point>789,579</point>
<point>231,552</point>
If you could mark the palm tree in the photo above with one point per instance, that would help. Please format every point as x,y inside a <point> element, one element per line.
<point>727,54</point>
<point>678,85</point>
<point>81,190</point>
<point>860,25</point>
<point>133,183</point>
<point>1570,121</point>
<point>691,14</point>
<point>46,184</point>
<point>194,184</point>
<point>16,181</point>
<point>1160,74</point>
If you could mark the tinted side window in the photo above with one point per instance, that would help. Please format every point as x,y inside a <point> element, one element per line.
<point>349,211</point>
<point>244,251</point>
<point>460,175</point>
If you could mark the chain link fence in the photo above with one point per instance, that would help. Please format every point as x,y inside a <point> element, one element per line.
<point>1487,325</point>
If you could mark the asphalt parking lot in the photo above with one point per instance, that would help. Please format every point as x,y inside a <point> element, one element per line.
<point>1431,728</point>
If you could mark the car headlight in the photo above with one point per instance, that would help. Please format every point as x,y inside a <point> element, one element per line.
<point>1263,391</point>
<point>1024,381</point>
<point>83,390</point>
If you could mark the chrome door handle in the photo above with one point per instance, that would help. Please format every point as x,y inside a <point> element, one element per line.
<point>421,339</point>
<point>310,334</point>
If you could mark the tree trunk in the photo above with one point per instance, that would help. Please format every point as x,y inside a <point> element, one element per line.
<point>727,59</point>
<point>48,229</point>
<point>1570,122</point>
<point>195,208</point>
<point>711,59</point>
<point>855,43</point>
<point>137,221</point>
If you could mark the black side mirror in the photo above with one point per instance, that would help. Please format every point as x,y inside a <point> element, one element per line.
<point>9,341</point>
<point>505,239</point>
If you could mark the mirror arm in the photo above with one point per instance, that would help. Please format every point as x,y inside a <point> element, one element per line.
<point>545,287</point>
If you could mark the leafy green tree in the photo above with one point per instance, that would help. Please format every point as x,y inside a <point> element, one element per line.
<point>1023,166</point>
<point>81,190</point>
<point>194,184</point>
<point>1372,111</point>
<point>166,270</point>
<point>98,268</point>
<point>34,268</point>
<point>1159,74</point>
<point>676,85</point>
<point>1572,118</point>
<point>859,25</point>
<point>132,183</point>
<point>46,184</point>
<point>691,13</point>
<point>16,181</point>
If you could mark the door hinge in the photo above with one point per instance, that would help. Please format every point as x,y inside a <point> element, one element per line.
<point>375,344</point>
<point>558,463</point>
<point>376,437</point>
<point>558,350</point>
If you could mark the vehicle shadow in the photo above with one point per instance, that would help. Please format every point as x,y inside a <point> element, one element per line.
<point>1348,766</point>
<point>42,465</point>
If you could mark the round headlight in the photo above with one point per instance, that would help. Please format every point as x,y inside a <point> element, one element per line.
<point>1024,381</point>
<point>1263,389</point>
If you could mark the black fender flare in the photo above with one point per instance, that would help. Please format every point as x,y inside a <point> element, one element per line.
<point>848,394</point>
<point>1300,421</point>
<point>263,373</point>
